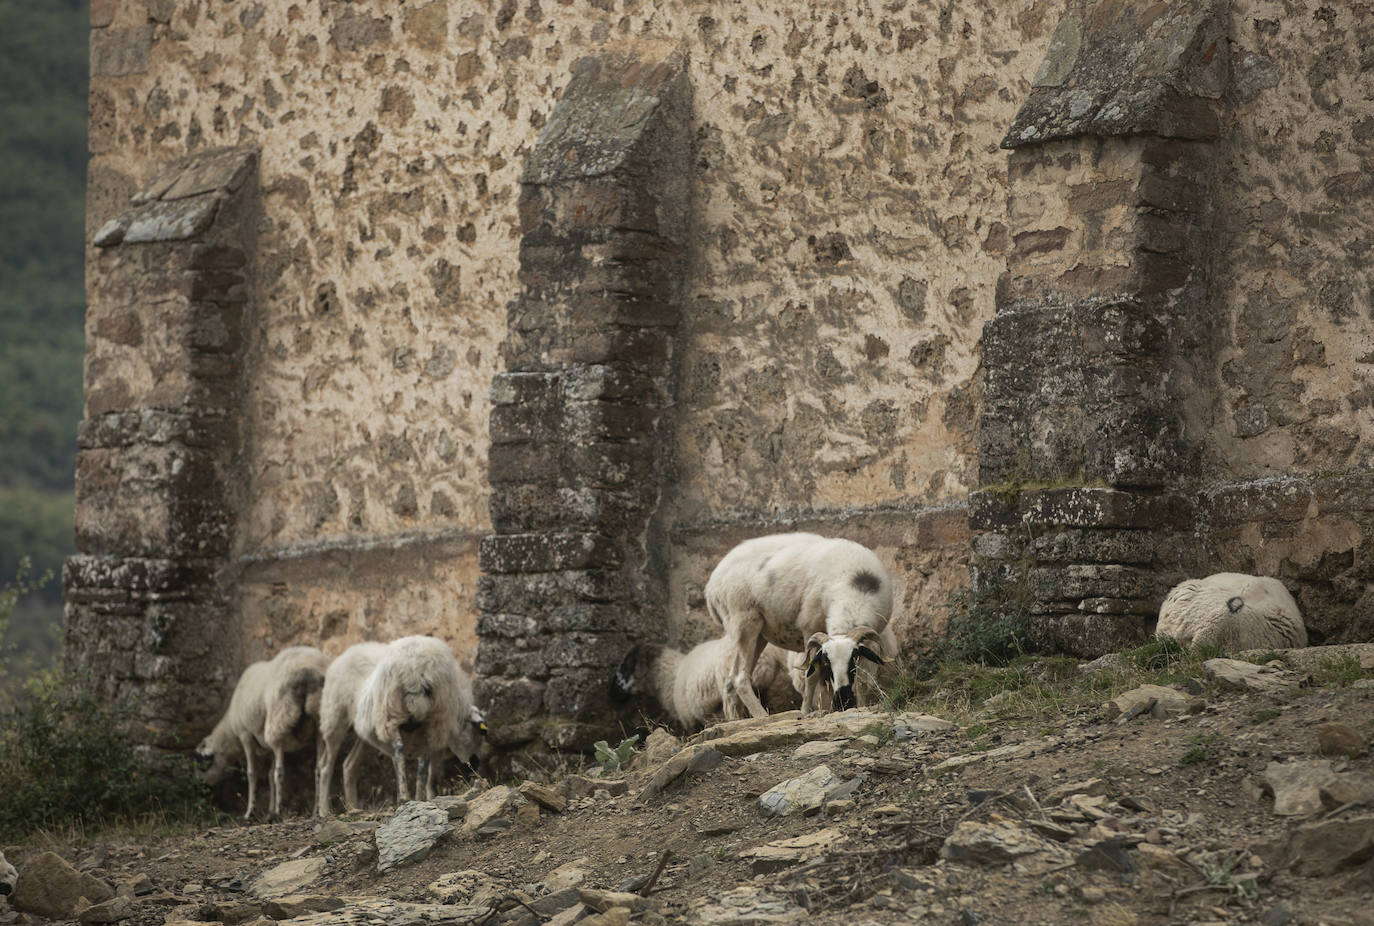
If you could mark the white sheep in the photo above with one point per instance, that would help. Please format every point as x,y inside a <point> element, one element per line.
<point>688,685</point>
<point>782,588</point>
<point>1233,611</point>
<point>343,682</point>
<point>274,706</point>
<point>8,876</point>
<point>820,668</point>
<point>415,702</point>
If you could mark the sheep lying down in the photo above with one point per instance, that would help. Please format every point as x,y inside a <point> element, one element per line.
<point>1234,611</point>
<point>687,685</point>
<point>274,707</point>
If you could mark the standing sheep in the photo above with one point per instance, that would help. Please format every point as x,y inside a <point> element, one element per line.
<point>821,667</point>
<point>274,707</point>
<point>415,702</point>
<point>781,589</point>
<point>1233,611</point>
<point>688,685</point>
<point>342,682</point>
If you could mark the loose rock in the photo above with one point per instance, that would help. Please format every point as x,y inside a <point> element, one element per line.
<point>1157,701</point>
<point>998,843</point>
<point>1297,786</point>
<point>1338,739</point>
<point>288,878</point>
<point>544,796</point>
<point>1322,848</point>
<point>50,887</point>
<point>784,853</point>
<point>410,834</point>
<point>798,795</point>
<point>108,911</point>
<point>692,760</point>
<point>1246,676</point>
<point>486,807</point>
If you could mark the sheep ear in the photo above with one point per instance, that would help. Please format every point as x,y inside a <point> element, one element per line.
<point>868,654</point>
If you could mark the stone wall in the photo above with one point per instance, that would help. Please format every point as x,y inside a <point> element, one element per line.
<point>1135,347</point>
<point>847,230</point>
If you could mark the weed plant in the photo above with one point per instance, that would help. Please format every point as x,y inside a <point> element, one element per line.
<point>70,760</point>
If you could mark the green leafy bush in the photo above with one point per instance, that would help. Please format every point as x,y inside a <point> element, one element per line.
<point>68,757</point>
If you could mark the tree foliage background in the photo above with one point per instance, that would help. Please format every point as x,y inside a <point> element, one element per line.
<point>43,84</point>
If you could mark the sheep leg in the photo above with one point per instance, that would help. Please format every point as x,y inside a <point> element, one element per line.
<point>324,774</point>
<point>398,759</point>
<point>422,778</point>
<point>278,779</point>
<point>739,687</point>
<point>436,766</point>
<point>350,770</point>
<point>248,748</point>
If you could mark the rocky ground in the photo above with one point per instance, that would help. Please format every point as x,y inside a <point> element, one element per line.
<point>1243,795</point>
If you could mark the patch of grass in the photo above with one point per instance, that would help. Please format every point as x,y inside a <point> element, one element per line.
<point>1339,672</point>
<point>1201,751</point>
<point>880,731</point>
<point>1263,715</point>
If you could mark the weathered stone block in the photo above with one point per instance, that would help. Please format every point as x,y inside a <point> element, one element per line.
<point>543,552</point>
<point>531,594</point>
<point>584,649</point>
<point>120,52</point>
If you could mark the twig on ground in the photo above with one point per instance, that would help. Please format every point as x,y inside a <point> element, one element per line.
<point>663,858</point>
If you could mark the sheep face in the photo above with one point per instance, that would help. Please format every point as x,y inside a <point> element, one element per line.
<point>837,659</point>
<point>211,763</point>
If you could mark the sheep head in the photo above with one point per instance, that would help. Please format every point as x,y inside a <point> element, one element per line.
<point>212,759</point>
<point>837,658</point>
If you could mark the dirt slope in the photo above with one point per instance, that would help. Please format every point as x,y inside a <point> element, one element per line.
<point>1171,824</point>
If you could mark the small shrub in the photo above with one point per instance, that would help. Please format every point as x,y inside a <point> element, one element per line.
<point>1200,752</point>
<point>1263,715</point>
<point>613,760</point>
<point>69,758</point>
<point>989,625</point>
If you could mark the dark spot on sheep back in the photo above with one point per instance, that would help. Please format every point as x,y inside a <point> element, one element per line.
<point>866,582</point>
<point>1235,604</point>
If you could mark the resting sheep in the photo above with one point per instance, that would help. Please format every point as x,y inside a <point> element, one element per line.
<point>274,706</point>
<point>414,703</point>
<point>688,685</point>
<point>781,589</point>
<point>1233,611</point>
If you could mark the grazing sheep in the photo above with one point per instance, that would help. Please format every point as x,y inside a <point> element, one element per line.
<point>8,876</point>
<point>413,704</point>
<point>274,706</point>
<point>687,685</point>
<point>467,737</point>
<point>782,588</point>
<point>342,682</point>
<point>1233,611</point>
<point>815,673</point>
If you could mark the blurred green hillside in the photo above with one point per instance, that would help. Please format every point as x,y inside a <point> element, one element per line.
<point>43,77</point>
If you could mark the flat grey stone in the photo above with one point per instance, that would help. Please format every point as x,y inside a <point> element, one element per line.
<point>287,878</point>
<point>410,834</point>
<point>799,795</point>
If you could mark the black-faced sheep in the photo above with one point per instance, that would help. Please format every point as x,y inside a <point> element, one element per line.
<point>416,702</point>
<point>1234,611</point>
<point>781,589</point>
<point>688,685</point>
<point>829,662</point>
<point>275,706</point>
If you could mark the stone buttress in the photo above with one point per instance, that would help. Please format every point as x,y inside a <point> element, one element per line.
<point>1098,352</point>
<point>148,601</point>
<point>578,452</point>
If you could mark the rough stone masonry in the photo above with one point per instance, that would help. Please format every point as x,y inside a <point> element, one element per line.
<point>504,321</point>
